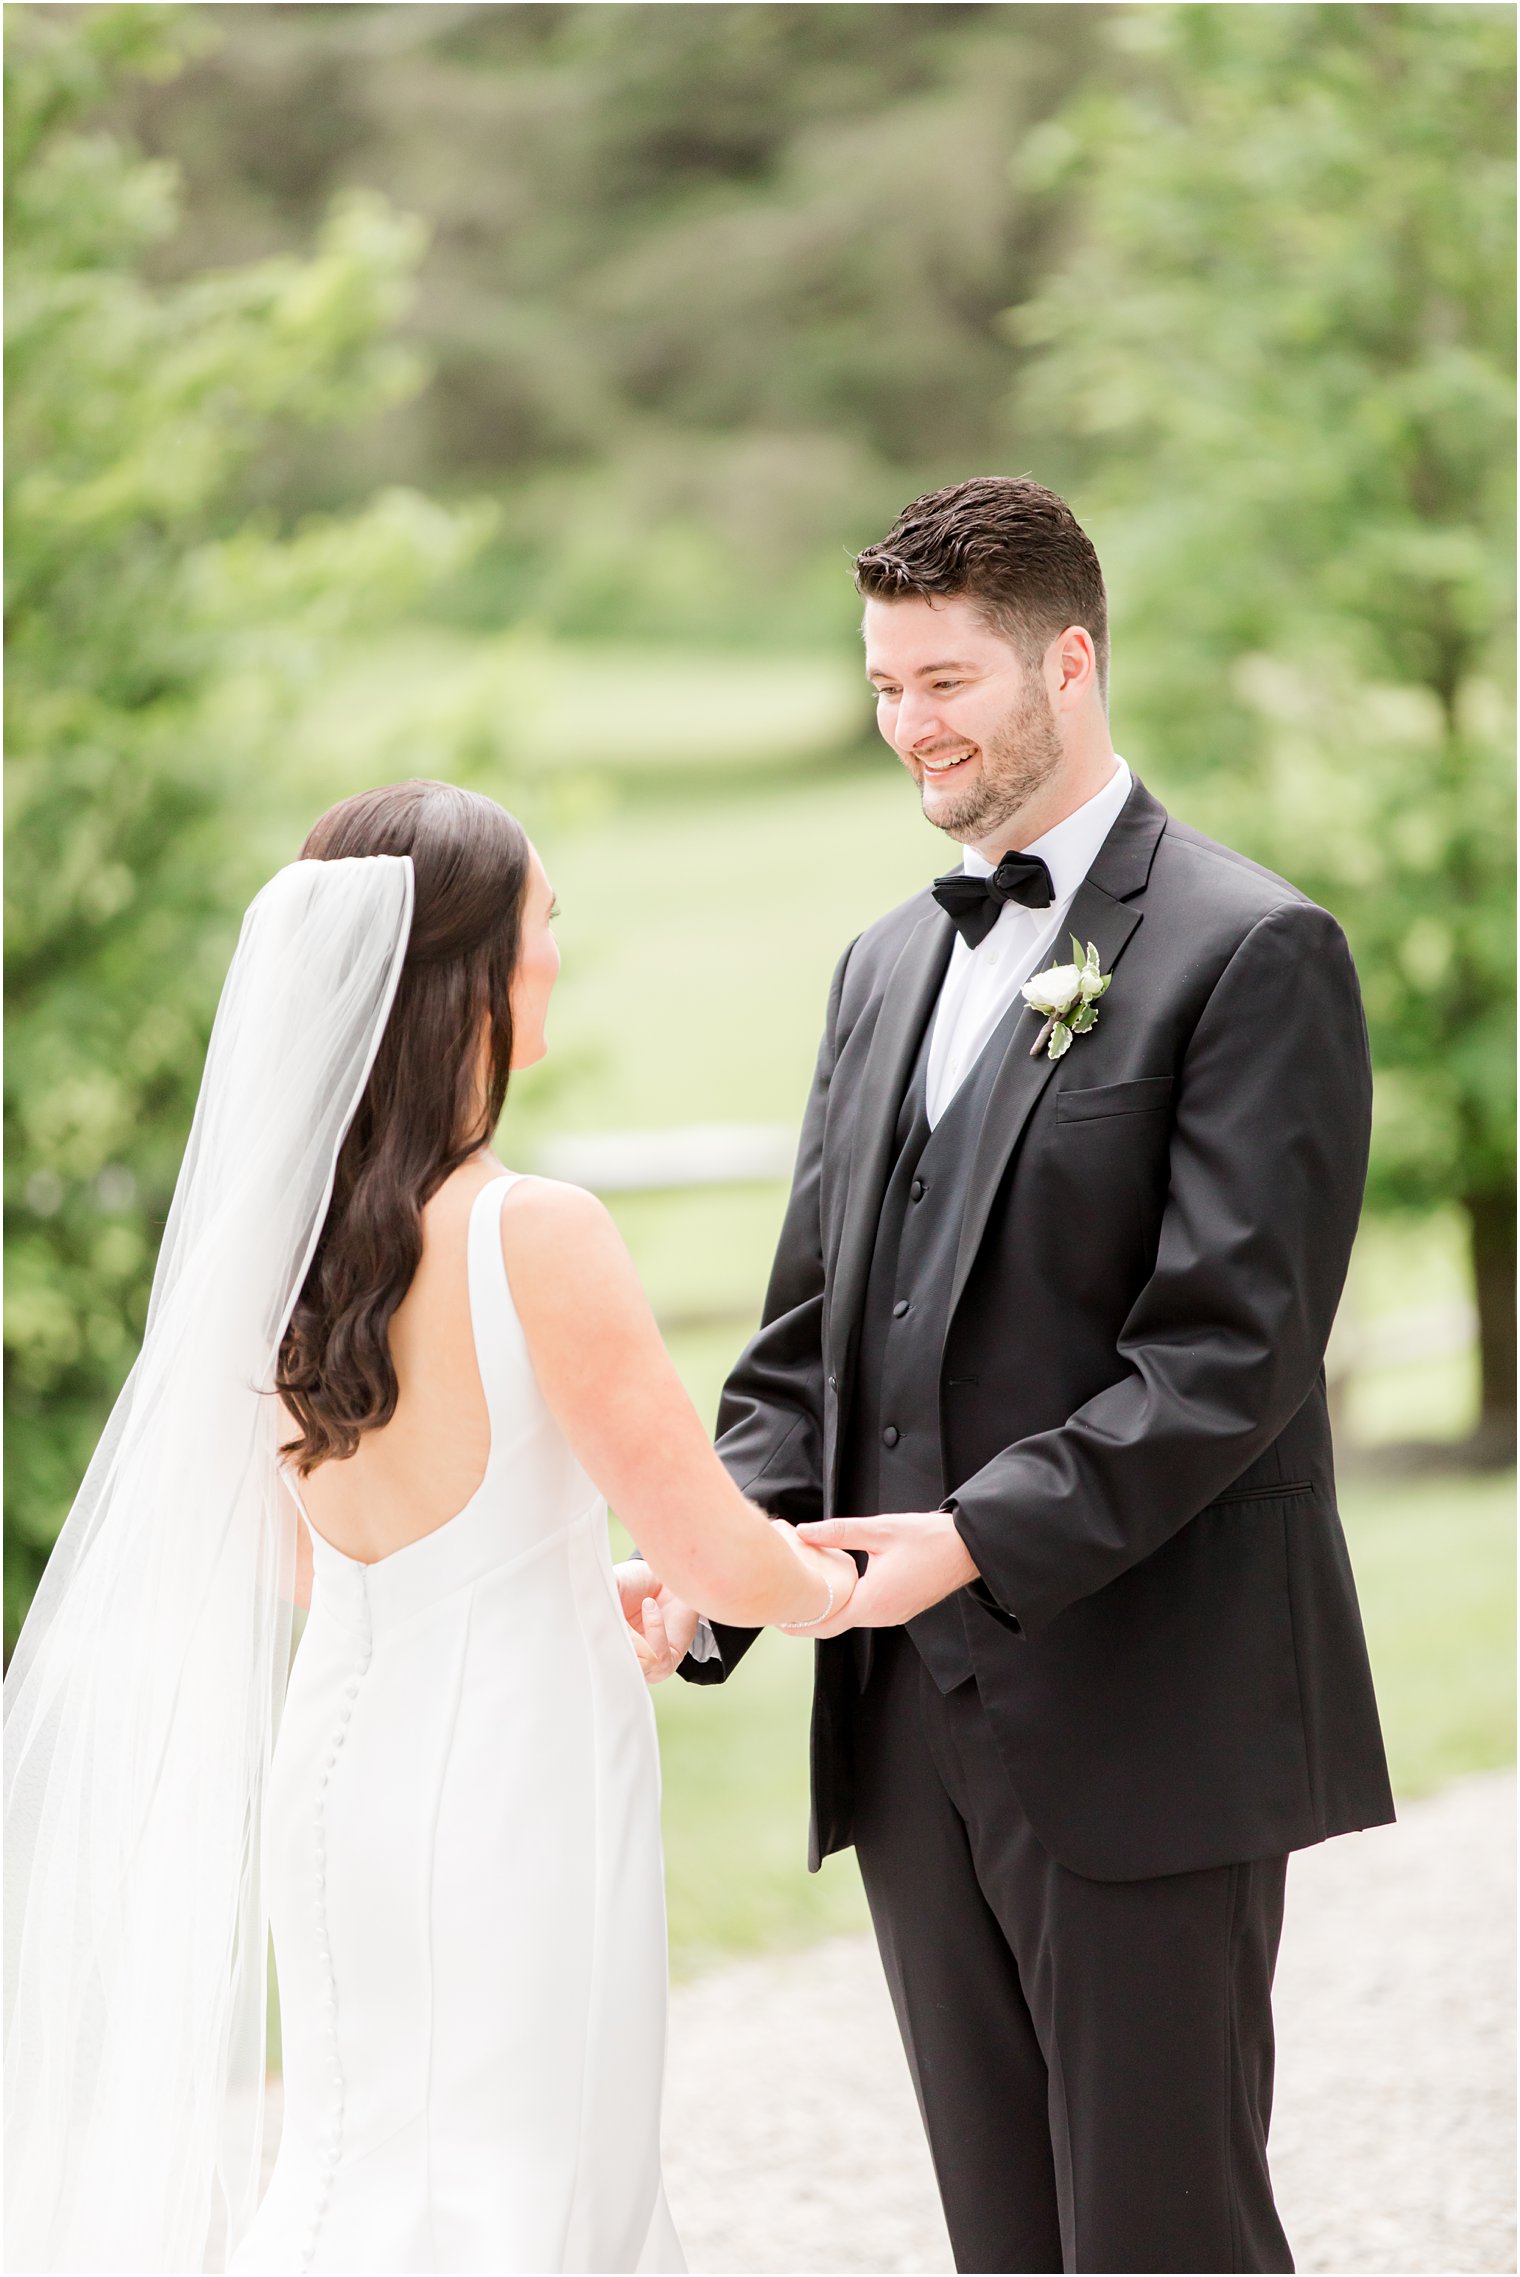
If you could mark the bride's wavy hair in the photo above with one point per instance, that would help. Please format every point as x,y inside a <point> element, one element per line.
<point>420,1115</point>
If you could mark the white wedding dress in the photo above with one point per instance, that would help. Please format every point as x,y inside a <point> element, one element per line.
<point>467,1894</point>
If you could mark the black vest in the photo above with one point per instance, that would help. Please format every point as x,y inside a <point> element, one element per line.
<point>892,1457</point>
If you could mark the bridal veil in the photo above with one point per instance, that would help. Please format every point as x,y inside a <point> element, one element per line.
<point>143,1698</point>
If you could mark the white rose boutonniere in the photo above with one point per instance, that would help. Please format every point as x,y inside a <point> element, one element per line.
<point>1068,996</point>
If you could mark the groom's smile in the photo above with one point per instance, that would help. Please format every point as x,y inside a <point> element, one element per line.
<point>942,764</point>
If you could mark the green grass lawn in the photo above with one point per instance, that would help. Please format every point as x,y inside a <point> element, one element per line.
<point>735,1766</point>
<point>1435,1568</point>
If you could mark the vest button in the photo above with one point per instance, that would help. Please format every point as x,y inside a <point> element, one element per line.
<point>889,1436</point>
<point>916,1190</point>
<point>899,1308</point>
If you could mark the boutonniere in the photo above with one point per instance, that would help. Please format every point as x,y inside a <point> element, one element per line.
<point>1068,996</point>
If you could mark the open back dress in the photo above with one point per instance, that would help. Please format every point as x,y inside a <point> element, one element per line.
<point>467,1892</point>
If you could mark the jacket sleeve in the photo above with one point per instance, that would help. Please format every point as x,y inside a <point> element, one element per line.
<point>1225,1341</point>
<point>770,1418</point>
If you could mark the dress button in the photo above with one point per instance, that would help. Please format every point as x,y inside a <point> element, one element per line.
<point>899,1308</point>
<point>352,1687</point>
<point>916,1190</point>
<point>889,1436</point>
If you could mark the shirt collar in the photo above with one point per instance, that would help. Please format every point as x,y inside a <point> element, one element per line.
<point>1070,849</point>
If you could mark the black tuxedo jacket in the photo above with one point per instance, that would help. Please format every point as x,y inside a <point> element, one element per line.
<point>1132,1408</point>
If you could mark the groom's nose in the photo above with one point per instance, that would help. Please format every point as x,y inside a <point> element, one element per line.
<point>918,723</point>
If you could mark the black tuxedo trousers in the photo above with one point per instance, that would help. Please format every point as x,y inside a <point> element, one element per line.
<point>1093,2060</point>
<point>1119,1281</point>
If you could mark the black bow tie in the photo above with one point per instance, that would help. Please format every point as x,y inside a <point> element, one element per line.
<point>974,905</point>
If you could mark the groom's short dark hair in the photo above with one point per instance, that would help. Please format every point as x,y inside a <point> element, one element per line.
<point>1008,545</point>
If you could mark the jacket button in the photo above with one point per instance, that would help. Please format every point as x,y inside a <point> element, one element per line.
<point>833,1383</point>
<point>916,1190</point>
<point>899,1308</point>
<point>889,1436</point>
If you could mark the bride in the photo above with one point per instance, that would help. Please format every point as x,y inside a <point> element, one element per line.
<point>387,1374</point>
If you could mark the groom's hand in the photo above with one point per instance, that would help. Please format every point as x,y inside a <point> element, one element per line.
<point>916,1557</point>
<point>661,1625</point>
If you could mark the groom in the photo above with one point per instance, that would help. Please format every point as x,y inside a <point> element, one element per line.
<point>1044,1339</point>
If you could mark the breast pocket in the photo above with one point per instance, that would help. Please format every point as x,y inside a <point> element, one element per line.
<point>1143,1095</point>
<point>1114,1139</point>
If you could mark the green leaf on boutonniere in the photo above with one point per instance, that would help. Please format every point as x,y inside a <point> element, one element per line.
<point>1082,1019</point>
<point>1060,1039</point>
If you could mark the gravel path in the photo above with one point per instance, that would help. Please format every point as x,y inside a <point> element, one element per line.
<point>793,2141</point>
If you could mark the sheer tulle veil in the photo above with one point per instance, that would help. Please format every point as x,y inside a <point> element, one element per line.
<point>143,1699</point>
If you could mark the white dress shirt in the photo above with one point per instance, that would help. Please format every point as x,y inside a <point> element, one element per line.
<point>981,983</point>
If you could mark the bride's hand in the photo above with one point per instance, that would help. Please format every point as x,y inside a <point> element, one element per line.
<point>660,1624</point>
<point>833,1569</point>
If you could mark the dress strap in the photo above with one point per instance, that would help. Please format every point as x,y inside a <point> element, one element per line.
<point>287,1472</point>
<point>500,1351</point>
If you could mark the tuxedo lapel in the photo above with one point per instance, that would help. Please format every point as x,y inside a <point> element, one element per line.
<point>1099,913</point>
<point>907,1002</point>
<point>1108,924</point>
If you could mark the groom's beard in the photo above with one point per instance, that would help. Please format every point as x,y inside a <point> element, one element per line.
<point>1017,763</point>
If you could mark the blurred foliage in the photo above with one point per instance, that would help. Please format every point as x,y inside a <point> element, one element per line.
<point>1274,367</point>
<point>712,288</point>
<point>156,641</point>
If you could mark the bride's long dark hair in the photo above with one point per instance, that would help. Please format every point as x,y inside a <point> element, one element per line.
<point>420,1115</point>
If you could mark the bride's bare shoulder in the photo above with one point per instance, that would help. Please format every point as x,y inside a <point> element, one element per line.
<point>544,1215</point>
<point>564,1254</point>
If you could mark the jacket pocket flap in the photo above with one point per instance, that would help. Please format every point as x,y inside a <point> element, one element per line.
<point>1142,1096</point>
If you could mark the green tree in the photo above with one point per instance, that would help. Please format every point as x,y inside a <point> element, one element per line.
<point>1274,368</point>
<point>155,640</point>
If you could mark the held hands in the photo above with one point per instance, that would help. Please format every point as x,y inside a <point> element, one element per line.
<point>914,1558</point>
<point>661,1626</point>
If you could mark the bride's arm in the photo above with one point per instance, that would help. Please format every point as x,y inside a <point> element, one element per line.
<point>614,1391</point>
